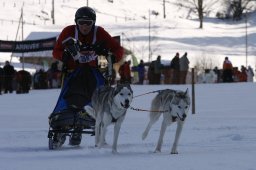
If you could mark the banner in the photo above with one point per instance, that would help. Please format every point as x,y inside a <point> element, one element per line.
<point>33,45</point>
<point>27,46</point>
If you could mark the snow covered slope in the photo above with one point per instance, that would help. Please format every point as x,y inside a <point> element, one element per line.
<point>176,33</point>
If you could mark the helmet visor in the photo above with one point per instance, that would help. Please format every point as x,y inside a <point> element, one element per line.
<point>86,22</point>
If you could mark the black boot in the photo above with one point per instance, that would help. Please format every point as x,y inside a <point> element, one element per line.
<point>58,140</point>
<point>75,139</point>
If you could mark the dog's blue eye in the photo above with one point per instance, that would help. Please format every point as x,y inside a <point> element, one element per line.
<point>121,94</point>
<point>129,94</point>
<point>186,107</point>
<point>179,107</point>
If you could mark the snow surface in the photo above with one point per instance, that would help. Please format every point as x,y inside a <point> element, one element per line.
<point>220,136</point>
<point>179,32</point>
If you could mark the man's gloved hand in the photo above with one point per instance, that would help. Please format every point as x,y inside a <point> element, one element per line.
<point>72,48</point>
<point>65,56</point>
<point>100,49</point>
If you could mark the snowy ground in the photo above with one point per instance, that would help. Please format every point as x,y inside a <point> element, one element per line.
<point>220,136</point>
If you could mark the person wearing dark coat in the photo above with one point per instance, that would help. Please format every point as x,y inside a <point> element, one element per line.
<point>24,80</point>
<point>175,68</point>
<point>1,79</point>
<point>184,66</point>
<point>141,71</point>
<point>125,73</point>
<point>8,77</point>
<point>227,71</point>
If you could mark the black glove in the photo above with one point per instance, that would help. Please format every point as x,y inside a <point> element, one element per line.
<point>65,56</point>
<point>72,48</point>
<point>100,49</point>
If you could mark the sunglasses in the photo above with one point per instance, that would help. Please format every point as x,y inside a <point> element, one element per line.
<point>84,22</point>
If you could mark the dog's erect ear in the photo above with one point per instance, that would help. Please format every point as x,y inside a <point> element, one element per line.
<point>129,87</point>
<point>115,91</point>
<point>186,92</point>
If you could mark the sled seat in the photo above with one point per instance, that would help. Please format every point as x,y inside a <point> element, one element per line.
<point>71,118</point>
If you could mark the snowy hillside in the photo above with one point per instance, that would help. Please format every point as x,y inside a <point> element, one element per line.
<point>176,33</point>
<point>220,136</point>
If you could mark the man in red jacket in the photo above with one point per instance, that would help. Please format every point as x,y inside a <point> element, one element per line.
<point>88,33</point>
<point>78,47</point>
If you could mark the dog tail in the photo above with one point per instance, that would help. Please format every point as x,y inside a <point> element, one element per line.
<point>90,111</point>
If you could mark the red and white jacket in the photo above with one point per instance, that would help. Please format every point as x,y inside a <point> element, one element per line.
<point>97,34</point>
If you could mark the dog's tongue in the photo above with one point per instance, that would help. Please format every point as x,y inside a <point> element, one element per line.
<point>125,105</point>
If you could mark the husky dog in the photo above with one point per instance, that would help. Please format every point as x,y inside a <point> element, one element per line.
<point>109,105</point>
<point>174,106</point>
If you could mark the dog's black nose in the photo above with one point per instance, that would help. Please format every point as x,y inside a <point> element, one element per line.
<point>184,117</point>
<point>126,102</point>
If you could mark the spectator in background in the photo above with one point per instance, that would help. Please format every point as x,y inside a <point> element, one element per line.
<point>250,74</point>
<point>158,69</point>
<point>227,70</point>
<point>217,72</point>
<point>23,80</point>
<point>40,80</point>
<point>155,70</point>
<point>53,75</point>
<point>243,75</point>
<point>1,79</point>
<point>8,77</point>
<point>175,69</point>
<point>125,72</point>
<point>184,66</point>
<point>141,71</point>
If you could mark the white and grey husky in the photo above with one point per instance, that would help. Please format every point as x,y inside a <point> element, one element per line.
<point>174,105</point>
<point>109,106</point>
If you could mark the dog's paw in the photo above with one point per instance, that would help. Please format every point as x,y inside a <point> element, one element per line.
<point>114,152</point>
<point>157,151</point>
<point>174,152</point>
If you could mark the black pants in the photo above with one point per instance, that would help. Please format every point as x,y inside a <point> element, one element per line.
<point>8,84</point>
<point>80,87</point>
<point>227,76</point>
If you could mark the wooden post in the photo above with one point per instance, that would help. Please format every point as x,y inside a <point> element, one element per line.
<point>193,92</point>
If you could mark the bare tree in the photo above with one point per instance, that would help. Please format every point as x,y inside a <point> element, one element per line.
<point>199,7</point>
<point>205,62</point>
<point>237,7</point>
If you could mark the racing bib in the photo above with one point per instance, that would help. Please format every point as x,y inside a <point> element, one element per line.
<point>87,56</point>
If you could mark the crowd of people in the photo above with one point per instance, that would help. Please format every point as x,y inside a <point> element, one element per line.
<point>177,72</point>
<point>22,81</point>
<point>12,80</point>
<point>153,72</point>
<point>233,74</point>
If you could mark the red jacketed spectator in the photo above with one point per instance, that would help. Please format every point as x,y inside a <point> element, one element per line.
<point>125,73</point>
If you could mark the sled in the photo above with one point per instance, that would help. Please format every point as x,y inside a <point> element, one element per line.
<point>66,123</point>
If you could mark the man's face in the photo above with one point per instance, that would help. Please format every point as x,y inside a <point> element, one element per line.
<point>85,25</point>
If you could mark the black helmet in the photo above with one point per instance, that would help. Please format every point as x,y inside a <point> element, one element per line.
<point>85,12</point>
